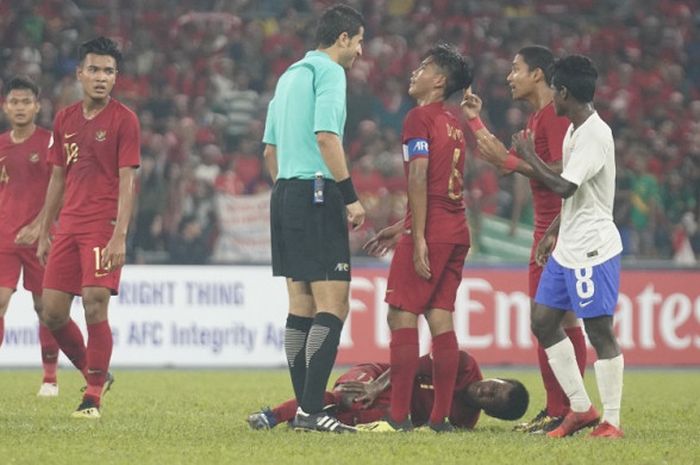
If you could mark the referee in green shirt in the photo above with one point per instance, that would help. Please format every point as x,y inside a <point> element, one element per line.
<point>312,200</point>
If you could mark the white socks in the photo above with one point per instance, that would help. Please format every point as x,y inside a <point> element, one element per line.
<point>562,360</point>
<point>608,375</point>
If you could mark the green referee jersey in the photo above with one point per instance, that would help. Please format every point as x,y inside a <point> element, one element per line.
<point>309,98</point>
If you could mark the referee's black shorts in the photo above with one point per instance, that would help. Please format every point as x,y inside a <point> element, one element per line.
<point>309,242</point>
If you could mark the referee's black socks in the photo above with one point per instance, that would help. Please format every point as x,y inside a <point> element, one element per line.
<point>321,349</point>
<point>295,334</point>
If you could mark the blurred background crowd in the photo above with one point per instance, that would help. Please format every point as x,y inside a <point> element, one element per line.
<point>200,73</point>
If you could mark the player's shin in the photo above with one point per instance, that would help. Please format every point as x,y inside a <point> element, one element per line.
<point>404,363</point>
<point>562,359</point>
<point>49,354</point>
<point>71,342</point>
<point>295,334</point>
<point>609,373</point>
<point>321,349</point>
<point>99,353</point>
<point>445,364</point>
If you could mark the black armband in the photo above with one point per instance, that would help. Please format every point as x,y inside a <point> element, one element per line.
<point>347,190</point>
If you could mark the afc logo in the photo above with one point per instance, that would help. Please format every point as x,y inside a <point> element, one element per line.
<point>342,267</point>
<point>420,146</point>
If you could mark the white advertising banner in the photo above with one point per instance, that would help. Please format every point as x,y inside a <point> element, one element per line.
<point>244,222</point>
<point>175,316</point>
<point>234,316</point>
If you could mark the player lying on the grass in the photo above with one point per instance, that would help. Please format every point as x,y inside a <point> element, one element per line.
<point>362,396</point>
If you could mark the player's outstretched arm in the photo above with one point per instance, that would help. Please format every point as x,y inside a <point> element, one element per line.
<point>497,154</point>
<point>114,253</point>
<point>49,212</point>
<point>385,240</point>
<point>270,155</point>
<point>524,143</point>
<point>491,149</point>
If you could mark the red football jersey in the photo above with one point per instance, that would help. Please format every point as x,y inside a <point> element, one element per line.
<point>432,131</point>
<point>24,177</point>
<point>92,152</point>
<point>461,414</point>
<point>549,130</point>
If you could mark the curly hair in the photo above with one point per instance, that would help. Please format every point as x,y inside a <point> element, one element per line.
<point>578,74</point>
<point>518,401</point>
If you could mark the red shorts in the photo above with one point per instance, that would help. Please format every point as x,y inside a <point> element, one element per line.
<point>74,263</point>
<point>21,258</point>
<point>408,291</point>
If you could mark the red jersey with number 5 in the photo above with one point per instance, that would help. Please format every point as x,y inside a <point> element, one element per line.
<point>92,151</point>
<point>433,132</point>
<point>24,176</point>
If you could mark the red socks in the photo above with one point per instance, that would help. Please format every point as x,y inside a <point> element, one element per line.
<point>49,353</point>
<point>579,342</point>
<point>557,401</point>
<point>99,352</point>
<point>445,364</point>
<point>71,342</point>
<point>404,363</point>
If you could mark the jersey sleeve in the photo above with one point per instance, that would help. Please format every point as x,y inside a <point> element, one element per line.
<point>415,135</point>
<point>55,151</point>
<point>129,151</point>
<point>556,129</point>
<point>587,158</point>
<point>415,126</point>
<point>269,137</point>
<point>329,113</point>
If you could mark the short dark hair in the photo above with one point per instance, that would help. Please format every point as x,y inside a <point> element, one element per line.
<point>100,46</point>
<point>456,67</point>
<point>518,401</point>
<point>336,20</point>
<point>21,83</point>
<point>537,56</point>
<point>578,74</point>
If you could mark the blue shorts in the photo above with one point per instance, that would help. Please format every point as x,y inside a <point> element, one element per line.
<point>590,292</point>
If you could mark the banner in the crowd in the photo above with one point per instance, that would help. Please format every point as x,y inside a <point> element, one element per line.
<point>234,316</point>
<point>244,222</point>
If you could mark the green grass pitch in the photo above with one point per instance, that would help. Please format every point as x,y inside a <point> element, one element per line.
<point>197,417</point>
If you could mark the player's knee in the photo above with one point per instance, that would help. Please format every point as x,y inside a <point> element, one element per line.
<point>604,343</point>
<point>4,300</point>
<point>95,305</point>
<point>3,307</point>
<point>543,326</point>
<point>53,319</point>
